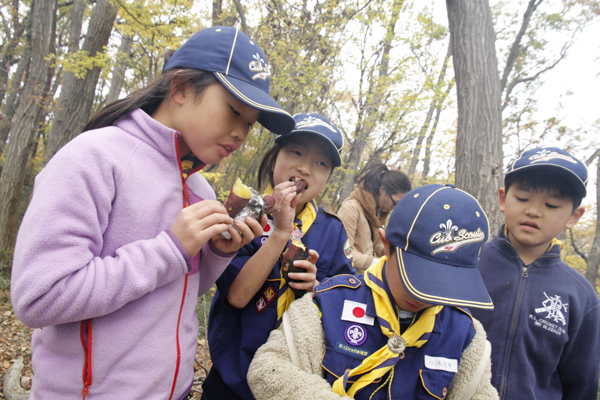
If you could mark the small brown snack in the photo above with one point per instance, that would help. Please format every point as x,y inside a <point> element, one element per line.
<point>296,251</point>
<point>300,184</point>
<point>239,197</point>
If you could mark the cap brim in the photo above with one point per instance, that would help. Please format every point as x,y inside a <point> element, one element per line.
<point>337,159</point>
<point>272,115</point>
<point>442,284</point>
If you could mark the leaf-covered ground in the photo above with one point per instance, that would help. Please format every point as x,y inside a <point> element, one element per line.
<point>15,342</point>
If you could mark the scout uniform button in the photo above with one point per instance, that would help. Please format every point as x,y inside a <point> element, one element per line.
<point>352,281</point>
<point>444,392</point>
<point>396,344</point>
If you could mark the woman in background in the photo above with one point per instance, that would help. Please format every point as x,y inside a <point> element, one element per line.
<point>367,209</point>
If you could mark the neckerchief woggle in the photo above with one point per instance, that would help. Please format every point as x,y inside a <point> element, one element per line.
<point>302,223</point>
<point>385,359</point>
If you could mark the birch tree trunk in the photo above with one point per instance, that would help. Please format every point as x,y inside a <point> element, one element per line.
<point>77,95</point>
<point>24,124</point>
<point>479,132</point>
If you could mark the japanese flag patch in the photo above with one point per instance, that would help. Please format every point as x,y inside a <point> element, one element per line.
<point>356,312</point>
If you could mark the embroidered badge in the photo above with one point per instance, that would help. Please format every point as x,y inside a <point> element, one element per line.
<point>265,299</point>
<point>553,315</point>
<point>355,334</point>
<point>351,350</point>
<point>451,238</point>
<point>546,155</point>
<point>260,66</point>
<point>311,121</point>
<point>347,250</point>
<point>296,234</point>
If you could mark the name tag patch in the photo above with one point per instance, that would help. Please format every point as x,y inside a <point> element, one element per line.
<point>351,350</point>
<point>441,363</point>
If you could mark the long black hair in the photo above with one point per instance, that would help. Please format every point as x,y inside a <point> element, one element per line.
<point>153,95</point>
<point>378,175</point>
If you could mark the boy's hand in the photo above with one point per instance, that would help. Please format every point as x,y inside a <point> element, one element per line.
<point>250,228</point>
<point>196,224</point>
<point>309,277</point>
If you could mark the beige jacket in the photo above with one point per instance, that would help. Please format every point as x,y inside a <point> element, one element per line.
<point>359,235</point>
<point>273,375</point>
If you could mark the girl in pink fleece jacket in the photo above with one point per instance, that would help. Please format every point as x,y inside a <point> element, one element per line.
<point>121,235</point>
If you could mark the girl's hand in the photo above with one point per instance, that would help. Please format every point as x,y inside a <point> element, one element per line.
<point>309,277</point>
<point>250,228</point>
<point>284,210</point>
<point>196,224</point>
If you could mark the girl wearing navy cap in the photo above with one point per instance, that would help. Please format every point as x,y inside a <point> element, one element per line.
<point>121,235</point>
<point>252,295</point>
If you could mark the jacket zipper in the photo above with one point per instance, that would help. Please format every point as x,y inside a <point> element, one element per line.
<point>86,327</point>
<point>186,202</point>
<point>524,274</point>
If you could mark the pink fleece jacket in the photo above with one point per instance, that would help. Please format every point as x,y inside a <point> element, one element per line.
<point>109,289</point>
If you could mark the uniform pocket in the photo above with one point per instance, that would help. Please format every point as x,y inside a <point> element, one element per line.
<point>336,362</point>
<point>433,384</point>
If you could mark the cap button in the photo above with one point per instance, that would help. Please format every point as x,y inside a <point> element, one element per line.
<point>451,185</point>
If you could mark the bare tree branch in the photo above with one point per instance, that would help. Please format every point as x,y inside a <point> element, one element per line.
<point>574,245</point>
<point>514,50</point>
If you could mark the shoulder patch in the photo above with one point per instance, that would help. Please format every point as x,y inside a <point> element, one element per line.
<point>347,250</point>
<point>348,281</point>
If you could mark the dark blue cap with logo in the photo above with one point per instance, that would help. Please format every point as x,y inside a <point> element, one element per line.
<point>438,232</point>
<point>553,158</point>
<point>240,65</point>
<point>319,125</point>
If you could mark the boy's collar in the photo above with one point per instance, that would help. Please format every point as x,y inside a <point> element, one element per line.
<point>554,242</point>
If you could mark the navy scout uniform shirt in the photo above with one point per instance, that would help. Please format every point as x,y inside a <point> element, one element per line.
<point>352,335</point>
<point>235,334</point>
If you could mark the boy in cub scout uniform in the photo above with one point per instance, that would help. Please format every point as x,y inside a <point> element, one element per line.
<point>400,331</point>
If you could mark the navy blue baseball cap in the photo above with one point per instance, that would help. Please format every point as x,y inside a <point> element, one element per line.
<point>438,232</point>
<point>240,65</point>
<point>553,158</point>
<point>319,125</point>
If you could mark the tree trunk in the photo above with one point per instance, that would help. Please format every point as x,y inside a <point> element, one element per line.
<point>479,130</point>
<point>77,95</point>
<point>11,102</point>
<point>10,47</point>
<point>593,260</point>
<point>118,73</point>
<point>371,106</point>
<point>24,125</point>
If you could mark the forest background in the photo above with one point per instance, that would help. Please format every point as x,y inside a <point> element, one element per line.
<point>444,91</point>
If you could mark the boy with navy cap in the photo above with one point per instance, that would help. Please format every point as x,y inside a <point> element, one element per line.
<point>545,327</point>
<point>401,330</point>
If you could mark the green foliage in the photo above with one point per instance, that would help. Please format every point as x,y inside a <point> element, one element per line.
<point>80,63</point>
